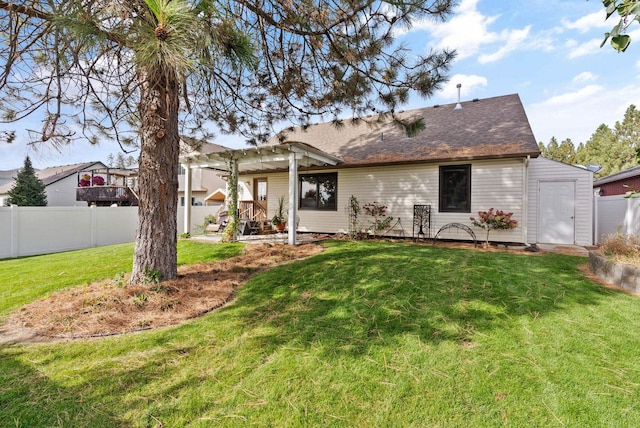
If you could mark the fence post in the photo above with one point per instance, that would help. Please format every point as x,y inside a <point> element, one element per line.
<point>94,227</point>
<point>14,231</point>
<point>596,218</point>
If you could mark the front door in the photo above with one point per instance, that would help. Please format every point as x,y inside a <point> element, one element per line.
<point>556,222</point>
<point>260,191</point>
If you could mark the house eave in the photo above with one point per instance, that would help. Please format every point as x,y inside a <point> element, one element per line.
<point>365,164</point>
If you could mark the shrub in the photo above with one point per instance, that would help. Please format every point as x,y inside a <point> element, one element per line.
<point>622,247</point>
<point>379,213</point>
<point>494,220</point>
<point>97,181</point>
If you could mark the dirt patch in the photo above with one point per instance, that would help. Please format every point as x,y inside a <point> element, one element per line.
<point>112,307</point>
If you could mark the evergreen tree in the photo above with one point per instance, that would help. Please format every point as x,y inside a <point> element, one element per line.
<point>28,190</point>
<point>606,149</point>
<point>564,152</point>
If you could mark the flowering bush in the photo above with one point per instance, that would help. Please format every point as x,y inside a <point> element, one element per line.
<point>494,220</point>
<point>379,213</point>
<point>85,180</point>
<point>97,181</point>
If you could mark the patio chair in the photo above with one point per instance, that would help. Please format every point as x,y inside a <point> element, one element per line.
<point>221,222</point>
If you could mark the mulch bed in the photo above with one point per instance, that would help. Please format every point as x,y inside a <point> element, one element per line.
<point>113,307</point>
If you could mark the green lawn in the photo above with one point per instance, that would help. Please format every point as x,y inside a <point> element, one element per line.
<point>366,334</point>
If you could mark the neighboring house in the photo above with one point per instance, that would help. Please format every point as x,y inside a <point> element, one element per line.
<point>470,157</point>
<point>60,183</point>
<point>207,186</point>
<point>618,183</point>
<point>7,177</point>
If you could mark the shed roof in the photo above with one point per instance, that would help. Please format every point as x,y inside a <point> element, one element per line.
<point>486,128</point>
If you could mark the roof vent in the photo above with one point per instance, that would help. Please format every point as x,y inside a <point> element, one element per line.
<point>458,106</point>
<point>436,106</point>
<point>594,167</point>
<point>475,100</point>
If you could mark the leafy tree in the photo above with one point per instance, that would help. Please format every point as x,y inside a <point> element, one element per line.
<point>628,11</point>
<point>28,190</point>
<point>147,71</point>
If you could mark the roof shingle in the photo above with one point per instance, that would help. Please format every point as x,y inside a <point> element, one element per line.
<point>487,128</point>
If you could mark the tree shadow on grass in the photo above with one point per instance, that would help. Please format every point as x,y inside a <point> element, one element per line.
<point>30,399</point>
<point>357,295</point>
<point>346,301</point>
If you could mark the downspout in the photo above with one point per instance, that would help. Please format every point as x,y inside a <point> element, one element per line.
<point>525,205</point>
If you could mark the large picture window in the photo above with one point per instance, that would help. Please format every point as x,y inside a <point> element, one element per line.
<point>318,191</point>
<point>455,189</point>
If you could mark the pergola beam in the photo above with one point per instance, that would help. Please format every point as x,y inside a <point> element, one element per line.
<point>263,158</point>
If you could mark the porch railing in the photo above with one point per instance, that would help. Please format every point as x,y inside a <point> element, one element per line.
<point>252,210</point>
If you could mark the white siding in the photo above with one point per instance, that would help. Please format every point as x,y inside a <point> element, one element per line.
<point>494,184</point>
<point>62,193</point>
<point>542,169</point>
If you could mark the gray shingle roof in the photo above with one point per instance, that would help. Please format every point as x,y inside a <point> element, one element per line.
<point>52,174</point>
<point>487,128</point>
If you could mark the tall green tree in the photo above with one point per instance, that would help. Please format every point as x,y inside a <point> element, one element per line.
<point>628,130</point>
<point>28,190</point>
<point>564,152</point>
<point>149,71</point>
<point>605,148</point>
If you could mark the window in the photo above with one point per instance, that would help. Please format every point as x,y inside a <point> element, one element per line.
<point>455,189</point>
<point>193,201</point>
<point>318,191</point>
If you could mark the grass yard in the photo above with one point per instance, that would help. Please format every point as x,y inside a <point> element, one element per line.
<point>366,334</point>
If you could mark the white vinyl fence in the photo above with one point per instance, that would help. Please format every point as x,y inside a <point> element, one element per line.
<point>27,231</point>
<point>615,214</point>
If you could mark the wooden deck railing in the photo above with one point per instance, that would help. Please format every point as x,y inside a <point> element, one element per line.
<point>252,210</point>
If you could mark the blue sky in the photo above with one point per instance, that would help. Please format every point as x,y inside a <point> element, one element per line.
<point>547,52</point>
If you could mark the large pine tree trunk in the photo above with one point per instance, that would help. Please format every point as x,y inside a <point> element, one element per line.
<point>155,254</point>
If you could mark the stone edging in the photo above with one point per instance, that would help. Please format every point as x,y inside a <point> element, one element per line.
<point>621,274</point>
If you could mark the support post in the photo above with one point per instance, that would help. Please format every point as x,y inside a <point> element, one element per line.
<point>15,244</point>
<point>231,231</point>
<point>293,197</point>
<point>187,198</point>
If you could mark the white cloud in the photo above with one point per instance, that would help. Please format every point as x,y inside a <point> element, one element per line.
<point>589,22</point>
<point>585,76</point>
<point>576,115</point>
<point>570,98</point>
<point>470,85</point>
<point>514,39</point>
<point>469,33</point>
<point>589,47</point>
<point>465,32</point>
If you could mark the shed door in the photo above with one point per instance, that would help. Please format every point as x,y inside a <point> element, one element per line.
<point>556,222</point>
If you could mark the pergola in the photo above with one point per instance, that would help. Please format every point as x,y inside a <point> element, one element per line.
<point>274,158</point>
